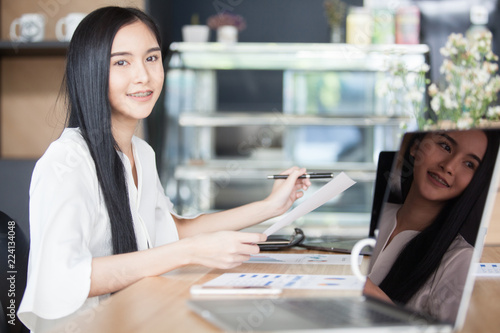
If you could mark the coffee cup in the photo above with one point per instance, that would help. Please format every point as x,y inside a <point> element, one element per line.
<point>356,250</point>
<point>66,26</point>
<point>31,28</point>
<point>195,33</point>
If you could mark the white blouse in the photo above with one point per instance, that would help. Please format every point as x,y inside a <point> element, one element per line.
<point>69,225</point>
<point>440,296</point>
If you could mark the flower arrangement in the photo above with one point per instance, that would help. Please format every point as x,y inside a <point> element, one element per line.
<point>224,18</point>
<point>472,84</point>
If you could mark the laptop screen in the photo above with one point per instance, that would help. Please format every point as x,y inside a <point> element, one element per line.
<point>432,225</point>
<point>440,194</point>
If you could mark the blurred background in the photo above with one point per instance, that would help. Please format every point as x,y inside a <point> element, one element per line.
<point>289,91</point>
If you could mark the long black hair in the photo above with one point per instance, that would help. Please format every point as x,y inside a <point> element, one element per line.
<point>422,255</point>
<point>86,82</point>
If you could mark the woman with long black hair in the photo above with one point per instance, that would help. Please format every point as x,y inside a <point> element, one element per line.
<point>99,219</point>
<point>425,244</point>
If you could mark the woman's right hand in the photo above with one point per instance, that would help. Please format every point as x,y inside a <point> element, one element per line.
<point>223,249</point>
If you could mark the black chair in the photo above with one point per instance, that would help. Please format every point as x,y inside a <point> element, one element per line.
<point>381,187</point>
<point>14,250</point>
<point>15,178</point>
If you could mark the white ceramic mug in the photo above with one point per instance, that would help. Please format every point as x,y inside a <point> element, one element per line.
<point>66,26</point>
<point>195,33</point>
<point>356,250</point>
<point>31,28</point>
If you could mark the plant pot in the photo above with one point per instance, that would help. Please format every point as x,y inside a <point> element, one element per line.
<point>227,34</point>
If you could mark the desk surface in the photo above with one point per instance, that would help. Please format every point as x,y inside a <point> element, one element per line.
<point>158,304</point>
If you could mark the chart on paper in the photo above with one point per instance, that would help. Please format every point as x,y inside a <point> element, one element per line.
<point>302,259</point>
<point>288,281</point>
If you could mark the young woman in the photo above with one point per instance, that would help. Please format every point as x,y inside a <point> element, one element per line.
<point>422,255</point>
<point>99,218</point>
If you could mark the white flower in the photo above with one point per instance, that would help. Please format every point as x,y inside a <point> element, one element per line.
<point>414,96</point>
<point>493,112</point>
<point>449,102</point>
<point>436,104</point>
<point>469,101</point>
<point>433,89</point>
<point>397,83</point>
<point>444,52</point>
<point>464,122</point>
<point>482,77</point>
<point>424,68</point>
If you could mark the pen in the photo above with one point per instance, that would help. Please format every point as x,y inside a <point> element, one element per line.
<point>312,175</point>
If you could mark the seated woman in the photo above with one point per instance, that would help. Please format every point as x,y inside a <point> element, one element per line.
<point>421,258</point>
<point>99,218</point>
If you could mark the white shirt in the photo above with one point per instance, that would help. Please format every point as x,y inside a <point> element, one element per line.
<point>69,225</point>
<point>441,294</point>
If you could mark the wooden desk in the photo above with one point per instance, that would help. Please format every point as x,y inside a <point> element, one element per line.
<point>159,304</point>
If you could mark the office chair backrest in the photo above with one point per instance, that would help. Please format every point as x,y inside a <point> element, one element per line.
<point>384,166</point>
<point>14,250</point>
<point>15,178</point>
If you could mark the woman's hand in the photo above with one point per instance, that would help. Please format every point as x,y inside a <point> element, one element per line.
<point>283,195</point>
<point>223,249</point>
<point>286,191</point>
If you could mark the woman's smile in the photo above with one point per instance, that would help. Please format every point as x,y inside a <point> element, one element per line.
<point>141,95</point>
<point>436,179</point>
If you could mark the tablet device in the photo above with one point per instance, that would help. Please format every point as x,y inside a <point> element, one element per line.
<point>279,242</point>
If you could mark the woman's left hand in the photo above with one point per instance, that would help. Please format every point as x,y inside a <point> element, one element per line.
<point>286,191</point>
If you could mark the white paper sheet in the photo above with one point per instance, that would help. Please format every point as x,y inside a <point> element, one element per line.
<point>287,281</point>
<point>302,259</point>
<point>488,270</point>
<point>333,188</point>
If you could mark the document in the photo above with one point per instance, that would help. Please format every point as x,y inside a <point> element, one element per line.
<point>302,259</point>
<point>286,281</point>
<point>333,188</point>
<point>488,269</point>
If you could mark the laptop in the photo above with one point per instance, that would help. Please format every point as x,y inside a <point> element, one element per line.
<point>345,244</point>
<point>332,314</point>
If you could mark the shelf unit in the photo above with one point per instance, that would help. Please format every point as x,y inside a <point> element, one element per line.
<point>331,119</point>
<point>47,48</point>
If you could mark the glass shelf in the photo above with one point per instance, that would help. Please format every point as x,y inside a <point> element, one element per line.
<point>284,56</point>
<point>228,119</point>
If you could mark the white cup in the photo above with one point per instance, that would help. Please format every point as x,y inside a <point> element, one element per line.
<point>195,33</point>
<point>66,26</point>
<point>31,28</point>
<point>356,250</point>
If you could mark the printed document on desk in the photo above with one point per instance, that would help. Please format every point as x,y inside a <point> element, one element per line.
<point>302,259</point>
<point>287,281</point>
<point>333,188</point>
